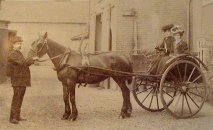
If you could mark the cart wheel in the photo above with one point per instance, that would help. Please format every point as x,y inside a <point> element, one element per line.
<point>184,84</point>
<point>147,95</point>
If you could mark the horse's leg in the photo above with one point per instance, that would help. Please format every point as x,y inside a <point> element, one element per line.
<point>66,92</point>
<point>74,114</point>
<point>126,109</point>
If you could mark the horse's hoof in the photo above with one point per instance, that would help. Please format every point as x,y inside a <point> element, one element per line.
<point>120,116</point>
<point>128,115</point>
<point>65,117</point>
<point>72,117</point>
<point>124,115</point>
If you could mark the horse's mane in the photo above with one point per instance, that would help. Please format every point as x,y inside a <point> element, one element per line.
<point>62,47</point>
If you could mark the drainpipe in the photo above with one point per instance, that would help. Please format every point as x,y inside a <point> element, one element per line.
<point>189,24</point>
<point>135,35</point>
<point>89,8</point>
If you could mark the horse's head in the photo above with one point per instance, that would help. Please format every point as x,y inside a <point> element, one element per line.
<point>39,47</point>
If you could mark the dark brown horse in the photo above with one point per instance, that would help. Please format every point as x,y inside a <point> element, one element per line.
<point>72,72</point>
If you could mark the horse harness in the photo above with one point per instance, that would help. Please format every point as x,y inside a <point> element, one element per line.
<point>85,66</point>
<point>63,62</point>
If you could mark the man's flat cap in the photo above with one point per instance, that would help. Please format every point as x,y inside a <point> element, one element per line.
<point>167,27</point>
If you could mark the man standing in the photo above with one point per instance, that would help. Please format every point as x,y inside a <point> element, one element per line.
<point>19,72</point>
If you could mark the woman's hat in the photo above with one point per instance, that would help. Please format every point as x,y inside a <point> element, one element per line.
<point>177,29</point>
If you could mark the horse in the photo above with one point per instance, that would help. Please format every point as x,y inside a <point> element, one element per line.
<point>73,72</point>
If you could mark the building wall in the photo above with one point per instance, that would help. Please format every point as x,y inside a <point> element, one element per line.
<point>108,11</point>
<point>201,29</point>
<point>62,20</point>
<point>202,36</point>
<point>61,33</point>
<point>3,49</point>
<point>151,15</point>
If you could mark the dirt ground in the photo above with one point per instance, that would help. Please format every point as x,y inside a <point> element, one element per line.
<point>98,109</point>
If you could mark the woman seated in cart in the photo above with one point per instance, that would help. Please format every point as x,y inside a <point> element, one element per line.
<point>172,45</point>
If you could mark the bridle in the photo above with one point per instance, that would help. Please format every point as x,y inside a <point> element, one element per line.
<point>43,45</point>
<point>35,51</point>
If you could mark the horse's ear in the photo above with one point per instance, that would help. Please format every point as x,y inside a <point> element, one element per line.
<point>45,35</point>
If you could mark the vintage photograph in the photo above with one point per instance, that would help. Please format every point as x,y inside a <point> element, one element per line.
<point>106,64</point>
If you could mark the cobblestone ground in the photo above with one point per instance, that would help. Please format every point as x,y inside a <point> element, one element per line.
<point>98,109</point>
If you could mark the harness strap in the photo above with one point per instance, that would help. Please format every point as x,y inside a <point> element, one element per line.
<point>63,54</point>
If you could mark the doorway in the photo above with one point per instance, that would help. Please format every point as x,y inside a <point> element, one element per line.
<point>98,32</point>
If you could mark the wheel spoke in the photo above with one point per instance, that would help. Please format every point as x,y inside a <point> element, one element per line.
<point>147,96</point>
<point>177,102</point>
<point>185,72</point>
<point>144,90</point>
<point>182,105</point>
<point>151,99</point>
<point>199,86</point>
<point>191,74</point>
<point>157,99</point>
<point>196,94</point>
<point>193,100</point>
<point>179,72</point>
<point>188,104</point>
<point>196,89</point>
<point>168,94</point>
<point>196,78</point>
<point>175,78</point>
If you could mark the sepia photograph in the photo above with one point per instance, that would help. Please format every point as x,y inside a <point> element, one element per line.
<point>106,65</point>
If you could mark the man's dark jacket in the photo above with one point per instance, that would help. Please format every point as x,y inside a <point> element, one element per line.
<point>168,44</point>
<point>18,69</point>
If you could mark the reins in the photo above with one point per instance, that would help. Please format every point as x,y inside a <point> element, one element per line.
<point>116,72</point>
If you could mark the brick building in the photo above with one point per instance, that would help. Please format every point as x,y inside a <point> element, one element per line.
<point>128,24</point>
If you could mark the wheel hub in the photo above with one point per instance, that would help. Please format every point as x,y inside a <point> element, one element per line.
<point>184,89</point>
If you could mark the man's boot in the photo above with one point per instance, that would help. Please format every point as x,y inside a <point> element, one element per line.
<point>19,118</point>
<point>13,120</point>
